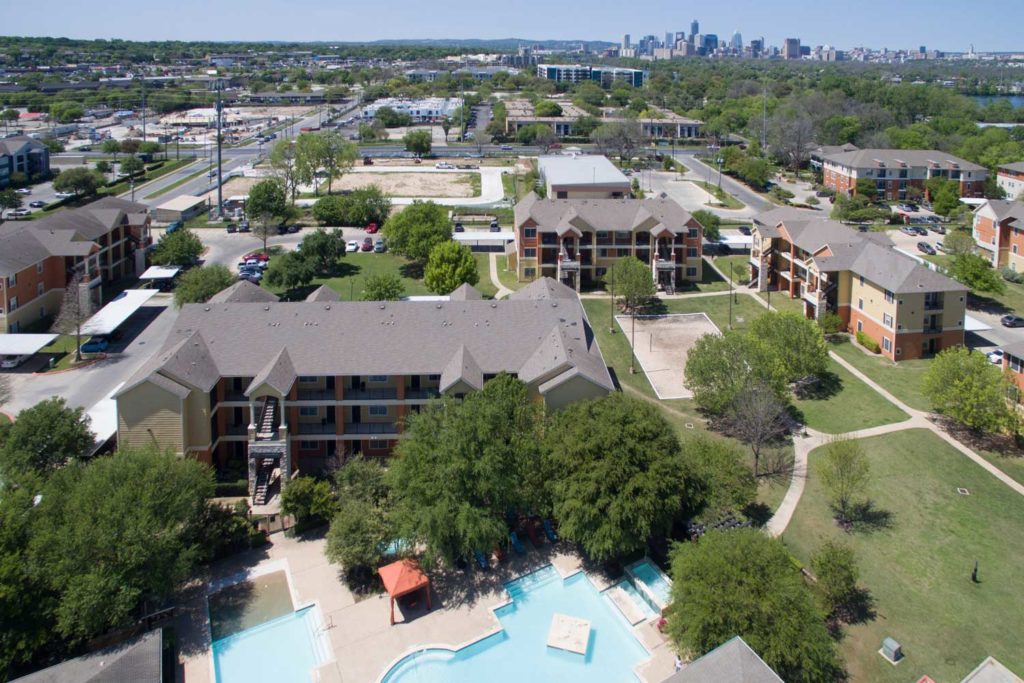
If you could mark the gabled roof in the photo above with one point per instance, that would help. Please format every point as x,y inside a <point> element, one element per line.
<point>138,660</point>
<point>543,288</point>
<point>461,368</point>
<point>91,221</point>
<point>278,374</point>
<point>731,662</point>
<point>1016,167</point>
<point>894,158</point>
<point>465,292</point>
<point>1006,210</point>
<point>556,215</point>
<point>189,362</point>
<point>322,293</point>
<point>15,145</point>
<point>243,291</point>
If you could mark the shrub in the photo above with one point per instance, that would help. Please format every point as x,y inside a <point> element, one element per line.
<point>868,343</point>
<point>813,201</point>
<point>831,323</point>
<point>231,489</point>
<point>1011,275</point>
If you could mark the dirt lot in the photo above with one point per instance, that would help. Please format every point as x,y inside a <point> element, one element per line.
<point>662,344</point>
<point>411,184</point>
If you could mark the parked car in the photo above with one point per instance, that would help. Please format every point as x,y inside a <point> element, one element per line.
<point>379,247</point>
<point>506,148</point>
<point>495,227</point>
<point>244,227</point>
<point>352,246</point>
<point>372,228</point>
<point>745,230</point>
<point>257,255</point>
<point>367,161</point>
<point>18,213</point>
<point>176,225</point>
<point>444,165</point>
<point>907,230</point>
<point>926,248</point>
<point>65,195</point>
<point>232,227</point>
<point>1012,321</point>
<point>24,190</point>
<point>10,361</point>
<point>909,208</point>
<point>459,228</point>
<point>922,231</point>
<point>938,229</point>
<point>251,274</point>
<point>37,204</point>
<point>95,345</point>
<point>367,244</point>
<point>939,246</point>
<point>995,357</point>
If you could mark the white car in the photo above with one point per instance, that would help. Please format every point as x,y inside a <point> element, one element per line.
<point>12,361</point>
<point>996,357</point>
<point>352,246</point>
<point>65,195</point>
<point>23,190</point>
<point>443,164</point>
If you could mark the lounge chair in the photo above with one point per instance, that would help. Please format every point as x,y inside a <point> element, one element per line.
<point>517,545</point>
<point>549,531</point>
<point>481,561</point>
<point>531,531</point>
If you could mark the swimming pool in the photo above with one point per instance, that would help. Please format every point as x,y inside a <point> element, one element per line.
<point>284,650</point>
<point>520,653</point>
<point>648,578</point>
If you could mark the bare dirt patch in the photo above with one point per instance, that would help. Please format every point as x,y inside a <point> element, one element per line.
<point>662,343</point>
<point>411,184</point>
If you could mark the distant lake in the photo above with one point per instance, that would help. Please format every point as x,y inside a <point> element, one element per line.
<point>1016,101</point>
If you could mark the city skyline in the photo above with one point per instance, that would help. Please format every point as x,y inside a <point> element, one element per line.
<point>989,28</point>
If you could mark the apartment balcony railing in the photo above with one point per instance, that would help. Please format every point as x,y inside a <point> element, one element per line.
<point>305,428</point>
<point>933,329</point>
<point>236,430</point>
<point>931,305</point>
<point>371,428</point>
<point>421,394</point>
<point>316,394</point>
<point>370,394</point>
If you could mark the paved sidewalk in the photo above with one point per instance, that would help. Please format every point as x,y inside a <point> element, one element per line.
<point>503,291</point>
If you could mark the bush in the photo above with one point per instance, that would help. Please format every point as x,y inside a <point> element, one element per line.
<point>1011,275</point>
<point>868,343</point>
<point>813,201</point>
<point>781,194</point>
<point>231,489</point>
<point>831,323</point>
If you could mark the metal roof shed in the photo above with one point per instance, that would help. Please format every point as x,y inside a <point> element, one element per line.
<point>113,315</point>
<point>24,344</point>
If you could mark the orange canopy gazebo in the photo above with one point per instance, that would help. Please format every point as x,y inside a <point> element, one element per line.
<point>401,578</point>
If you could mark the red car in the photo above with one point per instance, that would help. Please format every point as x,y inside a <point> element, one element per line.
<point>367,244</point>
<point>372,228</point>
<point>258,255</point>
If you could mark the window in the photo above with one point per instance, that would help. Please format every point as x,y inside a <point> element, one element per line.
<point>378,411</point>
<point>377,445</point>
<point>309,411</point>
<point>307,379</point>
<point>889,297</point>
<point>13,305</point>
<point>434,378</point>
<point>899,351</point>
<point>1016,364</point>
<point>529,272</point>
<point>691,252</point>
<point>861,280</point>
<point>1014,248</point>
<point>692,232</point>
<point>39,267</point>
<point>691,272</point>
<point>12,280</point>
<point>530,252</point>
<point>886,344</point>
<point>860,304</point>
<point>378,378</point>
<point>860,326</point>
<point>530,233</point>
<point>309,445</point>
<point>39,289</point>
<point>887,320</point>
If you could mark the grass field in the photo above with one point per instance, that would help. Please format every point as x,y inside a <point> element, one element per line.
<point>505,276</point>
<point>483,269</point>
<point>727,200</point>
<point>710,280</point>
<point>902,380</point>
<point>355,268</point>
<point>738,267</point>
<point>916,557</point>
<point>846,404</point>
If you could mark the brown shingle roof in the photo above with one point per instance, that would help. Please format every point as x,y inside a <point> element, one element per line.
<point>600,214</point>
<point>243,291</point>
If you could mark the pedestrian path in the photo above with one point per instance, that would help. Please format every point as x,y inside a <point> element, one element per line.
<point>503,291</point>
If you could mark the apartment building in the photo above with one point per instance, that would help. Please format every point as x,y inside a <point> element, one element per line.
<point>1013,363</point>
<point>288,387</point>
<point>1009,177</point>
<point>910,310</point>
<point>423,110</point>
<point>603,76</point>
<point>896,170</point>
<point>998,229</point>
<point>575,241</point>
<point>22,154</point>
<point>662,125</point>
<point>103,241</point>
<point>582,176</point>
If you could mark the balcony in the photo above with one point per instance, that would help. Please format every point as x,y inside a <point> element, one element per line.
<point>567,262</point>
<point>809,293</point>
<point>371,428</point>
<point>316,395</point>
<point>370,394</point>
<point>662,263</point>
<point>421,394</point>
<point>307,428</point>
<point>236,430</point>
<point>933,304</point>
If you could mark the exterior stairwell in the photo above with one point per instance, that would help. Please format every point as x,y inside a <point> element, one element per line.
<point>268,419</point>
<point>263,479</point>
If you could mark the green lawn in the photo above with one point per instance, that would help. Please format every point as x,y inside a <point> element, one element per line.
<point>916,559</point>
<point>1010,460</point>
<point>355,268</point>
<point>902,380</point>
<point>744,309</point>
<point>846,404</point>
<point>780,301</point>
<point>710,280</point>
<point>505,276</point>
<point>727,200</point>
<point>738,267</point>
<point>1012,301</point>
<point>483,269</point>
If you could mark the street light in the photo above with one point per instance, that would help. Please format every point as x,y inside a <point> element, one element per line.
<point>131,183</point>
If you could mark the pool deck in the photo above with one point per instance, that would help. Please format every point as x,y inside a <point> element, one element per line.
<point>365,645</point>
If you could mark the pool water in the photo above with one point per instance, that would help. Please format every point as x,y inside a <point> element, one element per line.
<point>658,585</point>
<point>249,603</point>
<point>284,650</point>
<point>520,653</point>
<point>641,600</point>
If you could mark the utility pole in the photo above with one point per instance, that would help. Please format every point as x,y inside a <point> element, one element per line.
<point>143,108</point>
<point>220,178</point>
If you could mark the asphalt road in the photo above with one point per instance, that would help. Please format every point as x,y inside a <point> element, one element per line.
<point>701,171</point>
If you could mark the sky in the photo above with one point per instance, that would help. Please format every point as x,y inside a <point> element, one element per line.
<point>950,25</point>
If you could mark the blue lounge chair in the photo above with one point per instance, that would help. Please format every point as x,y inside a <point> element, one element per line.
<point>481,560</point>
<point>516,543</point>
<point>549,531</point>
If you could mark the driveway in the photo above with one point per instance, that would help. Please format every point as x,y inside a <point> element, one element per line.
<point>701,171</point>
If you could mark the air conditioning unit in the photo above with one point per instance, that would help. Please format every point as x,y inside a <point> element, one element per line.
<point>891,650</point>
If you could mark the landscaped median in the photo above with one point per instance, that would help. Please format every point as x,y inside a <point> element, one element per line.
<point>916,546</point>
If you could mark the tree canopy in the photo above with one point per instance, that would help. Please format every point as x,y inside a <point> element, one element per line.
<point>418,142</point>
<point>79,181</point>
<point>417,229</point>
<point>44,438</point>
<point>197,285</point>
<point>383,287</point>
<point>179,248</point>
<point>965,387</point>
<point>632,282</point>
<point>449,266</point>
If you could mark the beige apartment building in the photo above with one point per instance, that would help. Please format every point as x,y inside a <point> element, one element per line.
<point>279,388</point>
<point>575,241</point>
<point>910,310</point>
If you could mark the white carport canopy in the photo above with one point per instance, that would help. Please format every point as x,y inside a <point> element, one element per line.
<point>482,236</point>
<point>103,419</point>
<point>160,272</point>
<point>113,315</point>
<point>24,344</point>
<point>975,325</point>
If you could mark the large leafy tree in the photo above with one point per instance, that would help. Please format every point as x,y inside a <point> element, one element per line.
<point>975,271</point>
<point>619,137</point>
<point>267,202</point>
<point>615,474</point>
<point>835,567</point>
<point>417,229</point>
<point>197,285</point>
<point>449,266</point>
<point>44,438</point>
<point>720,367</point>
<point>323,248</point>
<point>710,222</point>
<point>79,181</point>
<point>361,527</point>
<point>383,287</point>
<point>463,466</point>
<point>285,167</point>
<point>117,534</point>
<point>632,287</point>
<point>743,583</point>
<point>723,480</point>
<point>339,157</point>
<point>795,342</point>
<point>308,499</point>
<point>179,248</point>
<point>9,199</point>
<point>310,156</point>
<point>291,270</point>
<point>965,387</point>
<point>418,142</point>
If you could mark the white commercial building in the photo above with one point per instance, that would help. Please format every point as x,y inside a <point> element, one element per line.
<point>428,109</point>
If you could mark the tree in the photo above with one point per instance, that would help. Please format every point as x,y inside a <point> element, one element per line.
<point>197,285</point>
<point>463,466</point>
<point>958,242</point>
<point>710,222</point>
<point>418,142</point>
<point>179,248</point>
<point>795,343</point>
<point>383,287</point>
<point>965,387</point>
<point>66,112</point>
<point>130,146</point>
<point>285,169</point>
<point>75,308</point>
<point>547,108</point>
<point>757,417</point>
<point>45,438</point>
<point>632,285</point>
<point>310,155</point>
<point>339,157</point>
<point>620,137</point>
<point>9,116</point>
<point>975,271</point>
<point>80,181</point>
<point>291,270</point>
<point>116,535</point>
<point>845,473</point>
<point>867,189</point>
<point>331,210</point>
<point>545,138</point>
<point>723,482</point>
<point>267,202</point>
<point>945,194</point>
<point>54,145</point>
<point>308,500</point>
<point>835,567</point>
<point>449,266</point>
<point>389,118</point>
<point>358,532</point>
<point>615,474</point>
<point>790,129</point>
<point>743,583</point>
<point>112,147</point>
<point>323,248</point>
<point>132,166</point>
<point>417,229</point>
<point>103,166</point>
<point>368,205</point>
<point>9,199</point>
<point>446,125</point>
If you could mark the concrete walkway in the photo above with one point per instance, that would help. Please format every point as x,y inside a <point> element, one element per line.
<point>503,291</point>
